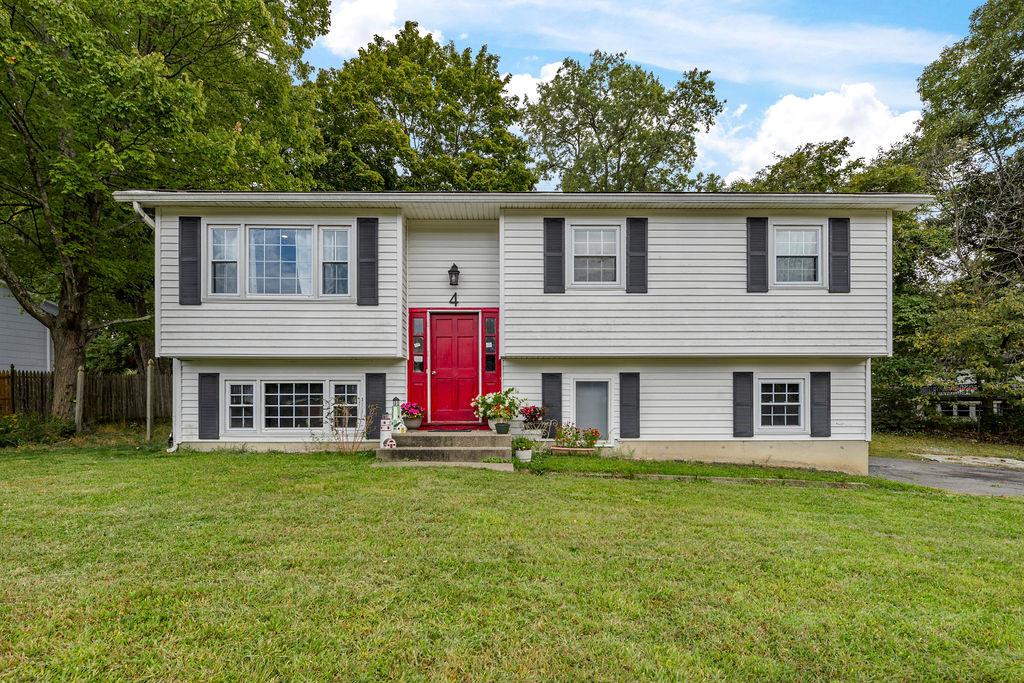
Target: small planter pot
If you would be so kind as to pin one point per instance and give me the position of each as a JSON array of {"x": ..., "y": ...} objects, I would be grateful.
[
  {"x": 562, "y": 450},
  {"x": 501, "y": 427},
  {"x": 412, "y": 422},
  {"x": 524, "y": 456},
  {"x": 517, "y": 426},
  {"x": 491, "y": 423}
]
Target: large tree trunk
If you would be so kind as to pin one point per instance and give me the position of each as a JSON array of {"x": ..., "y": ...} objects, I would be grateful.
[{"x": 68, "y": 353}]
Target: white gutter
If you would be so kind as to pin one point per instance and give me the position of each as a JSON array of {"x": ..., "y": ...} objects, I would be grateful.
[
  {"x": 528, "y": 200},
  {"x": 142, "y": 214}
]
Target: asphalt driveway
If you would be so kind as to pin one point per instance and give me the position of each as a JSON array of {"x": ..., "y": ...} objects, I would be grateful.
[{"x": 977, "y": 480}]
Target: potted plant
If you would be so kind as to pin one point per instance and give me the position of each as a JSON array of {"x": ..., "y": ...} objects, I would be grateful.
[
  {"x": 412, "y": 414},
  {"x": 533, "y": 420},
  {"x": 571, "y": 440},
  {"x": 522, "y": 447},
  {"x": 501, "y": 415},
  {"x": 499, "y": 404}
]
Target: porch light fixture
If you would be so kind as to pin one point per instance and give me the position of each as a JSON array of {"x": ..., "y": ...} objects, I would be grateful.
[{"x": 453, "y": 275}]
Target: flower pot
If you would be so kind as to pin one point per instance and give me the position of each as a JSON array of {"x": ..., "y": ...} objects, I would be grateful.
[
  {"x": 501, "y": 427},
  {"x": 524, "y": 456},
  {"x": 412, "y": 422},
  {"x": 517, "y": 426},
  {"x": 490, "y": 424}
]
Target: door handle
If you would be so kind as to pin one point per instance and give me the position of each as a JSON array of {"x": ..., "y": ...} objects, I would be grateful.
[{"x": 433, "y": 372}]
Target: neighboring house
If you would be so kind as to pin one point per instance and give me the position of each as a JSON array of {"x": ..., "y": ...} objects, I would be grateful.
[
  {"x": 24, "y": 341},
  {"x": 726, "y": 327},
  {"x": 961, "y": 400}
]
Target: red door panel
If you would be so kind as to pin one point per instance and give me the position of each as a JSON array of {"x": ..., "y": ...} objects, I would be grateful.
[{"x": 454, "y": 366}]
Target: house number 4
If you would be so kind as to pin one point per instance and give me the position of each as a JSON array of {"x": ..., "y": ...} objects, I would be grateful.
[{"x": 454, "y": 301}]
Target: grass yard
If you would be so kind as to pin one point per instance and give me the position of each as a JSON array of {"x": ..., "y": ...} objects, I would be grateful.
[
  {"x": 907, "y": 445},
  {"x": 128, "y": 563}
]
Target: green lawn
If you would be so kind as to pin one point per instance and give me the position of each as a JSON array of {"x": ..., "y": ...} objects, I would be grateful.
[
  {"x": 125, "y": 563},
  {"x": 624, "y": 467},
  {"x": 907, "y": 445}
]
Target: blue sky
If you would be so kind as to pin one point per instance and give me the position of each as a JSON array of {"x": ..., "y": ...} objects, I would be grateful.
[{"x": 792, "y": 71}]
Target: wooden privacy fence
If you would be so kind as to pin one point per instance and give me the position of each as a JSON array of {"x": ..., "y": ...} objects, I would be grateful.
[{"x": 106, "y": 398}]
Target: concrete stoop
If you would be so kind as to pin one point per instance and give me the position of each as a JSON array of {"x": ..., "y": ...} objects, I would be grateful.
[{"x": 473, "y": 446}]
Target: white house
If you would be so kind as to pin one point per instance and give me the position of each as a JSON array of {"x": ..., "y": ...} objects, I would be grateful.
[
  {"x": 725, "y": 327},
  {"x": 24, "y": 341}
]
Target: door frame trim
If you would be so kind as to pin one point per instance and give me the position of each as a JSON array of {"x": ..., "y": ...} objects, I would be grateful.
[{"x": 428, "y": 357}]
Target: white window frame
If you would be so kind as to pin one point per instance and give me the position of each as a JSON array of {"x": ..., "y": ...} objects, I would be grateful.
[
  {"x": 804, "y": 380},
  {"x": 360, "y": 401},
  {"x": 617, "y": 224},
  {"x": 318, "y": 257},
  {"x": 208, "y": 259},
  {"x": 289, "y": 379},
  {"x": 314, "y": 258},
  {"x": 613, "y": 427},
  {"x": 799, "y": 223},
  {"x": 244, "y": 224},
  {"x": 226, "y": 403}
]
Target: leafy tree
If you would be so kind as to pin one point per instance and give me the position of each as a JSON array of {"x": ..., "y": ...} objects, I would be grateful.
[
  {"x": 100, "y": 95},
  {"x": 813, "y": 167},
  {"x": 613, "y": 127},
  {"x": 412, "y": 114},
  {"x": 970, "y": 148}
]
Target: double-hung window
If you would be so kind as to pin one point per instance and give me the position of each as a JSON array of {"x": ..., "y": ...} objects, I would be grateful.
[
  {"x": 293, "y": 405},
  {"x": 781, "y": 403},
  {"x": 223, "y": 260},
  {"x": 280, "y": 260},
  {"x": 241, "y": 409},
  {"x": 334, "y": 261},
  {"x": 797, "y": 255},
  {"x": 346, "y": 405},
  {"x": 595, "y": 254}
]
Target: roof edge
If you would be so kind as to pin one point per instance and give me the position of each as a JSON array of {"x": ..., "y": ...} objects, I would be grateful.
[{"x": 880, "y": 200}]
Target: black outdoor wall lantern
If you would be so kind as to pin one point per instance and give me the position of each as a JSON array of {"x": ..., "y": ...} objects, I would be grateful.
[{"x": 453, "y": 275}]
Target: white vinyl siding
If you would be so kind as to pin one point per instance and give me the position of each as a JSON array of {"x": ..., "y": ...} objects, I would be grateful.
[
  {"x": 276, "y": 325},
  {"x": 432, "y": 247},
  {"x": 697, "y": 303},
  {"x": 24, "y": 341},
  {"x": 691, "y": 399},
  {"x": 261, "y": 372}
]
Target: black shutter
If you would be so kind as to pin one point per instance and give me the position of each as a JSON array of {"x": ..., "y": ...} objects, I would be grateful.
[
  {"x": 551, "y": 400},
  {"x": 209, "y": 405},
  {"x": 821, "y": 404},
  {"x": 366, "y": 259},
  {"x": 376, "y": 402},
  {"x": 839, "y": 255},
  {"x": 189, "y": 278},
  {"x": 757, "y": 254},
  {"x": 554, "y": 255},
  {"x": 629, "y": 405},
  {"x": 636, "y": 255},
  {"x": 742, "y": 404}
]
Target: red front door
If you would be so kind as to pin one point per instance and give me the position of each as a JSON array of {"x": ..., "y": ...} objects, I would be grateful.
[{"x": 454, "y": 366}]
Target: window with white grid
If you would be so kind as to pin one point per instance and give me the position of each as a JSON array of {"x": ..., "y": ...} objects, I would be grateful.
[
  {"x": 293, "y": 405},
  {"x": 334, "y": 261},
  {"x": 780, "y": 403},
  {"x": 797, "y": 255},
  {"x": 346, "y": 405},
  {"x": 595, "y": 254},
  {"x": 241, "y": 410},
  {"x": 223, "y": 260},
  {"x": 280, "y": 260}
]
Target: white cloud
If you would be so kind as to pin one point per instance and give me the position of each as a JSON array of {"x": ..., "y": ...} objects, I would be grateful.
[
  {"x": 525, "y": 84},
  {"x": 354, "y": 23},
  {"x": 463, "y": 36},
  {"x": 739, "y": 40},
  {"x": 854, "y": 111}
]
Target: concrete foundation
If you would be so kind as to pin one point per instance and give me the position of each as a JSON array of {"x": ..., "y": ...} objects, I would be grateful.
[{"x": 839, "y": 456}]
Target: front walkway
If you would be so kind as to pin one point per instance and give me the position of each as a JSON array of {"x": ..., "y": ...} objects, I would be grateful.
[{"x": 974, "y": 479}]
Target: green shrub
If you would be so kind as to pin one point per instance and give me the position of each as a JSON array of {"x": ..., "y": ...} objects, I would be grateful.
[{"x": 25, "y": 428}]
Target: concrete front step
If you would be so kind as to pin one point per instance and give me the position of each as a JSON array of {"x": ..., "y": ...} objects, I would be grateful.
[
  {"x": 481, "y": 439},
  {"x": 443, "y": 453}
]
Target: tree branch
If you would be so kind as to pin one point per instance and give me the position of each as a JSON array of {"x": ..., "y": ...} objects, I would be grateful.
[
  {"x": 121, "y": 321},
  {"x": 21, "y": 294}
]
